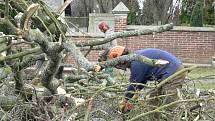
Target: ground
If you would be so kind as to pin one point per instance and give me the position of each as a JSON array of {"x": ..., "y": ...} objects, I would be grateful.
[{"x": 203, "y": 78}]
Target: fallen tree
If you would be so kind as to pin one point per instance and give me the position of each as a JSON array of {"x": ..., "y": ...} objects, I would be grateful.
[{"x": 82, "y": 94}]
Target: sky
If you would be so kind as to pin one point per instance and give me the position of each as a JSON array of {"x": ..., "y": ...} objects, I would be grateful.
[{"x": 141, "y": 3}]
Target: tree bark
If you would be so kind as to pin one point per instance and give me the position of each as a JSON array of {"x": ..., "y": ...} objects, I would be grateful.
[
  {"x": 126, "y": 34},
  {"x": 79, "y": 57},
  {"x": 18, "y": 68},
  {"x": 21, "y": 54}
]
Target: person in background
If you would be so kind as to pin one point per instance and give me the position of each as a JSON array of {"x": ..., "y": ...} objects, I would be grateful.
[
  {"x": 104, "y": 28},
  {"x": 142, "y": 73}
]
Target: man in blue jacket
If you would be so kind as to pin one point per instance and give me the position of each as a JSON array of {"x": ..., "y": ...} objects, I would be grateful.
[{"x": 141, "y": 72}]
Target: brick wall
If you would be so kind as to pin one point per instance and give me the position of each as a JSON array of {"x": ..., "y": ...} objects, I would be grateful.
[
  {"x": 191, "y": 46},
  {"x": 120, "y": 24},
  {"x": 92, "y": 56}
]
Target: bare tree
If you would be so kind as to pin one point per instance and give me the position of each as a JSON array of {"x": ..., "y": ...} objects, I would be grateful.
[
  {"x": 98, "y": 6},
  {"x": 156, "y": 11},
  {"x": 41, "y": 96}
]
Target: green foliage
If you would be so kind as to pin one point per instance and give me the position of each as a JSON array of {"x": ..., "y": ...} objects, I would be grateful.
[
  {"x": 197, "y": 15},
  {"x": 2, "y": 9},
  {"x": 2, "y": 45},
  {"x": 12, "y": 12},
  {"x": 208, "y": 16},
  {"x": 188, "y": 8},
  {"x": 132, "y": 18},
  {"x": 134, "y": 13},
  {"x": 3, "y": 28},
  {"x": 186, "y": 11},
  {"x": 202, "y": 73},
  {"x": 7, "y": 70}
]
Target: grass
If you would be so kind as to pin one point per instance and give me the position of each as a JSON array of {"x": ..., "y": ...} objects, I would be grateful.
[
  {"x": 204, "y": 86},
  {"x": 202, "y": 78},
  {"x": 202, "y": 73}
]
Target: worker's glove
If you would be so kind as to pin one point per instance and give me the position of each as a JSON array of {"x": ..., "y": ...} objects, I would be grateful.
[
  {"x": 97, "y": 68},
  {"x": 125, "y": 106},
  {"x": 161, "y": 62},
  {"x": 135, "y": 97}
]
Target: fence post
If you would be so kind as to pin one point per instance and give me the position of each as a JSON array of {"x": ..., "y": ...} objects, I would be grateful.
[{"x": 120, "y": 17}]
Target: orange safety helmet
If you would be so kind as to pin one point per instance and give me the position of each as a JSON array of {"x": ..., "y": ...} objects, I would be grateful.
[
  {"x": 115, "y": 52},
  {"x": 111, "y": 53}
]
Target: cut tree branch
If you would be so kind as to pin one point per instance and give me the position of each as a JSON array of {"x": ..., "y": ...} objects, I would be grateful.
[
  {"x": 126, "y": 34},
  {"x": 12, "y": 44},
  {"x": 18, "y": 69},
  {"x": 28, "y": 61},
  {"x": 7, "y": 27},
  {"x": 60, "y": 27},
  {"x": 53, "y": 51},
  {"x": 27, "y": 16},
  {"x": 63, "y": 7},
  {"x": 170, "y": 105},
  {"x": 6, "y": 9},
  {"x": 128, "y": 58},
  {"x": 21, "y": 54},
  {"x": 79, "y": 57}
]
